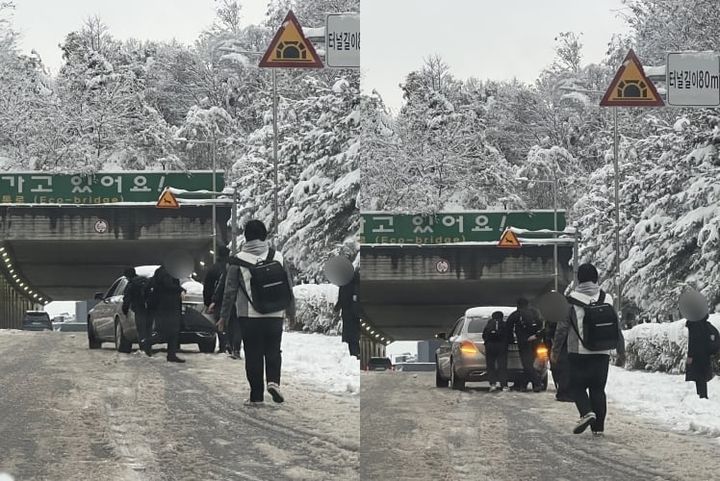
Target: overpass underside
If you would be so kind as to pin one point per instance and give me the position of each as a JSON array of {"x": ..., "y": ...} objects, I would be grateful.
[
  {"x": 69, "y": 253},
  {"x": 407, "y": 294}
]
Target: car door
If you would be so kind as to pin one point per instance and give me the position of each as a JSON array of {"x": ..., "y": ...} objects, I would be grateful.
[
  {"x": 102, "y": 314},
  {"x": 445, "y": 349}
]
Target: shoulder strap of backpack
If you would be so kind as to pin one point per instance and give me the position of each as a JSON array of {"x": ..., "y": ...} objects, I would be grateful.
[
  {"x": 241, "y": 281},
  {"x": 575, "y": 327},
  {"x": 271, "y": 254},
  {"x": 601, "y": 299}
]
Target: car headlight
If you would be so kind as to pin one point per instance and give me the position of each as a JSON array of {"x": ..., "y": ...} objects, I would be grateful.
[{"x": 542, "y": 352}]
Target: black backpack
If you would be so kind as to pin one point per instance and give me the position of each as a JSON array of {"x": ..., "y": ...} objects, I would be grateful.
[
  {"x": 601, "y": 331},
  {"x": 714, "y": 340},
  {"x": 269, "y": 285}
]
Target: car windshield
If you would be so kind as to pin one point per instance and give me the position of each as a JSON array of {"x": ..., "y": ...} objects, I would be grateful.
[
  {"x": 36, "y": 316},
  {"x": 476, "y": 324},
  {"x": 380, "y": 361}
]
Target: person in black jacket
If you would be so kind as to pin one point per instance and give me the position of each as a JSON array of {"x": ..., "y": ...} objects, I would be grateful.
[
  {"x": 210, "y": 284},
  {"x": 165, "y": 304},
  {"x": 559, "y": 367},
  {"x": 134, "y": 298},
  {"x": 348, "y": 303},
  {"x": 527, "y": 325},
  {"x": 699, "y": 365},
  {"x": 233, "y": 334},
  {"x": 496, "y": 338}
]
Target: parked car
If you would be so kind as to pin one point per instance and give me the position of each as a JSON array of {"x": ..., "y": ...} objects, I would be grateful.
[
  {"x": 37, "y": 321},
  {"x": 107, "y": 323},
  {"x": 379, "y": 364},
  {"x": 461, "y": 356}
]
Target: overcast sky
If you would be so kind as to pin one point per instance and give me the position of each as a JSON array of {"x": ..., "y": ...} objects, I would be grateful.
[
  {"x": 45, "y": 23},
  {"x": 484, "y": 39}
]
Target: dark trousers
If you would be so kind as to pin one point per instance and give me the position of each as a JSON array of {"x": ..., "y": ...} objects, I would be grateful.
[
  {"x": 588, "y": 373},
  {"x": 234, "y": 334},
  {"x": 354, "y": 347},
  {"x": 143, "y": 323},
  {"x": 561, "y": 376},
  {"x": 222, "y": 341},
  {"x": 262, "y": 338},
  {"x": 527, "y": 357},
  {"x": 496, "y": 354},
  {"x": 701, "y": 388},
  {"x": 169, "y": 327}
]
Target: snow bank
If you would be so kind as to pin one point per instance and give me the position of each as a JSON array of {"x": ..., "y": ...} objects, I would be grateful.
[
  {"x": 667, "y": 399},
  {"x": 315, "y": 312},
  {"x": 6, "y": 477},
  {"x": 661, "y": 347},
  {"x": 321, "y": 360}
]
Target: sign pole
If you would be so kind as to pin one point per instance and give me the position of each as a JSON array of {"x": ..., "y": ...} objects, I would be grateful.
[
  {"x": 275, "y": 152},
  {"x": 233, "y": 220},
  {"x": 555, "y": 224},
  {"x": 214, "y": 207},
  {"x": 617, "y": 212}
]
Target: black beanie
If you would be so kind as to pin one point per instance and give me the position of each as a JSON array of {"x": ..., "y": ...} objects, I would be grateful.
[{"x": 587, "y": 273}]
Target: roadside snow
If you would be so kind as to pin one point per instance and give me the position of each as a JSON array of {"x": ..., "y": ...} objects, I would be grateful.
[
  {"x": 666, "y": 399},
  {"x": 6, "y": 477},
  {"x": 321, "y": 360}
]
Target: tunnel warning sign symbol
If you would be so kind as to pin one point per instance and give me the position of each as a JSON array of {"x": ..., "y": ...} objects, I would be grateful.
[
  {"x": 167, "y": 201},
  {"x": 290, "y": 48},
  {"x": 509, "y": 240},
  {"x": 631, "y": 87}
]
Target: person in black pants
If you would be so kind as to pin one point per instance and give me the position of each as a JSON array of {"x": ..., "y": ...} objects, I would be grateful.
[
  {"x": 496, "y": 338},
  {"x": 233, "y": 333},
  {"x": 527, "y": 324},
  {"x": 347, "y": 301},
  {"x": 261, "y": 332},
  {"x": 165, "y": 304},
  {"x": 215, "y": 274},
  {"x": 699, "y": 365},
  {"x": 560, "y": 370},
  {"x": 134, "y": 298}
]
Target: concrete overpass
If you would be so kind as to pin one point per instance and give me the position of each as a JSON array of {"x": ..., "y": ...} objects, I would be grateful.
[{"x": 412, "y": 292}]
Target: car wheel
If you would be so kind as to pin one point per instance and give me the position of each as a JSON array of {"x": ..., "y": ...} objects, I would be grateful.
[
  {"x": 456, "y": 382},
  {"x": 122, "y": 344},
  {"x": 439, "y": 380},
  {"x": 207, "y": 346},
  {"x": 93, "y": 342}
]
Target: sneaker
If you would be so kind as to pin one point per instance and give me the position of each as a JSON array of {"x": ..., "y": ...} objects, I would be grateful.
[
  {"x": 598, "y": 434},
  {"x": 493, "y": 388},
  {"x": 274, "y": 391},
  {"x": 584, "y": 423},
  {"x": 537, "y": 389},
  {"x": 254, "y": 404},
  {"x": 505, "y": 389},
  {"x": 175, "y": 359},
  {"x": 564, "y": 399}
]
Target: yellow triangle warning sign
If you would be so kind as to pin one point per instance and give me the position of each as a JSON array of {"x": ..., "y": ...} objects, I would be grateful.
[
  {"x": 290, "y": 48},
  {"x": 631, "y": 87},
  {"x": 509, "y": 240},
  {"x": 167, "y": 201}
]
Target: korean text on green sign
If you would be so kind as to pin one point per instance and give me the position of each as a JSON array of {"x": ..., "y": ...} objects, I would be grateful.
[{"x": 444, "y": 228}]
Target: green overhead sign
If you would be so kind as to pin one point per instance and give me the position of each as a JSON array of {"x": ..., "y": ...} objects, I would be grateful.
[
  {"x": 100, "y": 188},
  {"x": 444, "y": 228}
]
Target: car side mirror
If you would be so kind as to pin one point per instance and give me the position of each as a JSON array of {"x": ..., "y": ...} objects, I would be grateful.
[
  {"x": 441, "y": 335},
  {"x": 99, "y": 296}
]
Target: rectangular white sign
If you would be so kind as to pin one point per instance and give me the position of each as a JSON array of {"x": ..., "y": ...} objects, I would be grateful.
[
  {"x": 342, "y": 40},
  {"x": 693, "y": 79}
]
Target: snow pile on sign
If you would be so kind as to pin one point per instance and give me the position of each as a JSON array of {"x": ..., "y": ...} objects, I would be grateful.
[
  {"x": 660, "y": 347},
  {"x": 667, "y": 399},
  {"x": 321, "y": 360},
  {"x": 315, "y": 313}
]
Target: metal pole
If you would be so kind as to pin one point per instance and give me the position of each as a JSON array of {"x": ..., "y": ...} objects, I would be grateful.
[
  {"x": 214, "y": 207},
  {"x": 576, "y": 260},
  {"x": 233, "y": 220},
  {"x": 555, "y": 220},
  {"x": 275, "y": 152},
  {"x": 617, "y": 213}
]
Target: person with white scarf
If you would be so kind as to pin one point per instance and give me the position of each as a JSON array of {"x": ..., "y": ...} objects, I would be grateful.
[{"x": 588, "y": 369}]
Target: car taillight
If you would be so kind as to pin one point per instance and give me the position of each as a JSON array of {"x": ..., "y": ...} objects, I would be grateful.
[{"x": 469, "y": 348}]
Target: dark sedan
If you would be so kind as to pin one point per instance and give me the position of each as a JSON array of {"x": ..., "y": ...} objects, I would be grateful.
[
  {"x": 107, "y": 323},
  {"x": 37, "y": 321}
]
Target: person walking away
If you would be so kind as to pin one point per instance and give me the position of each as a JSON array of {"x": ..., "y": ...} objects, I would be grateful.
[
  {"x": 165, "y": 303},
  {"x": 260, "y": 287},
  {"x": 591, "y": 331},
  {"x": 496, "y": 338},
  {"x": 348, "y": 303},
  {"x": 210, "y": 283},
  {"x": 526, "y": 324},
  {"x": 703, "y": 342},
  {"x": 560, "y": 368},
  {"x": 134, "y": 298},
  {"x": 234, "y": 332}
]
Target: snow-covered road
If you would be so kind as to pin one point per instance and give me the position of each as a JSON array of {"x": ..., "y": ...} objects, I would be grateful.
[
  {"x": 71, "y": 413},
  {"x": 411, "y": 430}
]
